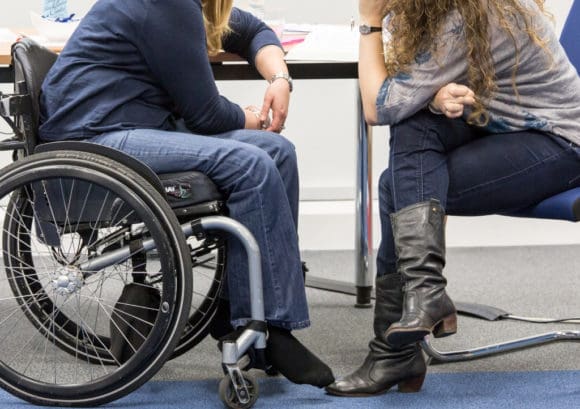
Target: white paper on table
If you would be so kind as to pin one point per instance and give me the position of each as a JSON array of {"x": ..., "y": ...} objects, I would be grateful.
[
  {"x": 7, "y": 36},
  {"x": 327, "y": 43},
  {"x": 45, "y": 42},
  {"x": 298, "y": 27}
]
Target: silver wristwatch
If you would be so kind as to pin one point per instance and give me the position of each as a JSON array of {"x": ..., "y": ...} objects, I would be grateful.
[{"x": 282, "y": 75}]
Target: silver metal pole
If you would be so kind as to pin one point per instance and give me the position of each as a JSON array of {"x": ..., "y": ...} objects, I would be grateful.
[
  {"x": 253, "y": 252},
  {"x": 364, "y": 271},
  {"x": 208, "y": 223}
]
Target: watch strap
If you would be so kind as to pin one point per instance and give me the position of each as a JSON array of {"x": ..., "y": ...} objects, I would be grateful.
[
  {"x": 366, "y": 29},
  {"x": 282, "y": 75}
]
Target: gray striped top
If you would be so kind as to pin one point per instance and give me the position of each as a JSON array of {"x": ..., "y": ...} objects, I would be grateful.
[{"x": 548, "y": 85}]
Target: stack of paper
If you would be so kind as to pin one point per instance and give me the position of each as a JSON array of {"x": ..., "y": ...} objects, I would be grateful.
[{"x": 327, "y": 43}]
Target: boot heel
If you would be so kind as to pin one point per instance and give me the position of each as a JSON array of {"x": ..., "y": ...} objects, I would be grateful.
[
  {"x": 447, "y": 326},
  {"x": 411, "y": 385}
]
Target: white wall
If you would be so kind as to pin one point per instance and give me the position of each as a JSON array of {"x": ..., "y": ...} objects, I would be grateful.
[{"x": 322, "y": 124}]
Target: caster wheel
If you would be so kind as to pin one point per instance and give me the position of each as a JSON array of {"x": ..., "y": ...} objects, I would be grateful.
[{"x": 228, "y": 394}]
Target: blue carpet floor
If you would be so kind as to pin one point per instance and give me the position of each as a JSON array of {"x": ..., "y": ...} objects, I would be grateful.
[{"x": 530, "y": 390}]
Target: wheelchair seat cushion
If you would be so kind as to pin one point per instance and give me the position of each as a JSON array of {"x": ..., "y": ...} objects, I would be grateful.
[{"x": 185, "y": 189}]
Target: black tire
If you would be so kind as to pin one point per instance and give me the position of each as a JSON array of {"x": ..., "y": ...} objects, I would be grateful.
[
  {"x": 55, "y": 313},
  {"x": 208, "y": 261}
]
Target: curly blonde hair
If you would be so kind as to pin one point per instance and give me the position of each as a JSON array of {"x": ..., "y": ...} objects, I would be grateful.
[
  {"x": 216, "y": 15},
  {"x": 415, "y": 25}
]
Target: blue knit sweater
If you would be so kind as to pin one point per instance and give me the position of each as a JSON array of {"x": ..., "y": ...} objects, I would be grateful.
[{"x": 142, "y": 64}]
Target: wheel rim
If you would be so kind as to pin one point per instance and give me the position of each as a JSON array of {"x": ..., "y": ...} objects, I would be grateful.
[{"x": 46, "y": 307}]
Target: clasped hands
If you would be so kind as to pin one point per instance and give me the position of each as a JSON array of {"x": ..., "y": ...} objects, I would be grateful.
[
  {"x": 276, "y": 102},
  {"x": 451, "y": 100}
]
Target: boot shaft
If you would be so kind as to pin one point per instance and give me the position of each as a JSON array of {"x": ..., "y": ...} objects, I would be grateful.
[
  {"x": 419, "y": 237},
  {"x": 388, "y": 302}
]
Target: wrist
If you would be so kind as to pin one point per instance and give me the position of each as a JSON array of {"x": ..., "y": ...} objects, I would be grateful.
[
  {"x": 372, "y": 20},
  {"x": 434, "y": 109},
  {"x": 253, "y": 118},
  {"x": 282, "y": 76}
]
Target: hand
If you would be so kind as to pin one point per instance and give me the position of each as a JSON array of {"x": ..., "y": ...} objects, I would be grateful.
[
  {"x": 372, "y": 11},
  {"x": 253, "y": 118},
  {"x": 451, "y": 100},
  {"x": 277, "y": 100}
]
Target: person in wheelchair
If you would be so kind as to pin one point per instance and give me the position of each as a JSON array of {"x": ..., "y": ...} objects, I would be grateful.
[
  {"x": 136, "y": 76},
  {"x": 484, "y": 108}
]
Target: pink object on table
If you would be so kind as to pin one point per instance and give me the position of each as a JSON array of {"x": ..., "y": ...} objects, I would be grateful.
[{"x": 292, "y": 41}]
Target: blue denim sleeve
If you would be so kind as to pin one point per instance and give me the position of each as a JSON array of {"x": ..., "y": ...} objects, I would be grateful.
[
  {"x": 408, "y": 92},
  {"x": 248, "y": 35}
]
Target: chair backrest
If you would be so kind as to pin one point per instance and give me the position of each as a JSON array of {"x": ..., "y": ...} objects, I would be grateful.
[
  {"x": 31, "y": 63},
  {"x": 570, "y": 37}
]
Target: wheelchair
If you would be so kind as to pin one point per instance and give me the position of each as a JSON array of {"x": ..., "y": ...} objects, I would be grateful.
[{"x": 82, "y": 223}]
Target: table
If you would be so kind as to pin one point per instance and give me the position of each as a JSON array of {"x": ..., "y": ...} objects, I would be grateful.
[{"x": 226, "y": 68}]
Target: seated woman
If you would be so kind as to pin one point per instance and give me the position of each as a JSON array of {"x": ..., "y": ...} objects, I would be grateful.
[
  {"x": 484, "y": 108},
  {"x": 136, "y": 76}
]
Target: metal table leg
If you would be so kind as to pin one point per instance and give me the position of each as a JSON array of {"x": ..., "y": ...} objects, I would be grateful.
[
  {"x": 364, "y": 271},
  {"x": 364, "y": 256}
]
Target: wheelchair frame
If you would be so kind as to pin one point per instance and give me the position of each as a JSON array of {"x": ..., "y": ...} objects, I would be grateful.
[{"x": 237, "y": 389}]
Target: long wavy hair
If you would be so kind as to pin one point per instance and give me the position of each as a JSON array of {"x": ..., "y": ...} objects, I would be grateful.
[
  {"x": 415, "y": 25},
  {"x": 216, "y": 15}
]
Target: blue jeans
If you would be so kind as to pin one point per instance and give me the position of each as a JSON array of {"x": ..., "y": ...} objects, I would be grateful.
[
  {"x": 257, "y": 173},
  {"x": 469, "y": 171}
]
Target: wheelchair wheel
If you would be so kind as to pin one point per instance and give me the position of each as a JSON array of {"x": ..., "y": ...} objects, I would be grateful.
[
  {"x": 74, "y": 226},
  {"x": 30, "y": 288},
  {"x": 208, "y": 260}
]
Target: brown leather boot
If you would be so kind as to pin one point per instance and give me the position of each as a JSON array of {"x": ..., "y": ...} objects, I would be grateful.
[
  {"x": 419, "y": 235},
  {"x": 384, "y": 365}
]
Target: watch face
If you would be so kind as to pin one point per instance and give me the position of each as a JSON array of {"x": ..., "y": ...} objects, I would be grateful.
[{"x": 366, "y": 29}]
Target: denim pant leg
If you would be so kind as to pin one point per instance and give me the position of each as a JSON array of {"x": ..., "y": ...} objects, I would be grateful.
[
  {"x": 386, "y": 260},
  {"x": 505, "y": 173},
  {"x": 280, "y": 150},
  {"x": 256, "y": 197},
  {"x": 417, "y": 171},
  {"x": 283, "y": 152},
  {"x": 469, "y": 172}
]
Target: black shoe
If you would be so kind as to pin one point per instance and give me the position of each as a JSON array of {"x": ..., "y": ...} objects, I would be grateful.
[
  {"x": 286, "y": 354},
  {"x": 385, "y": 366}
]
